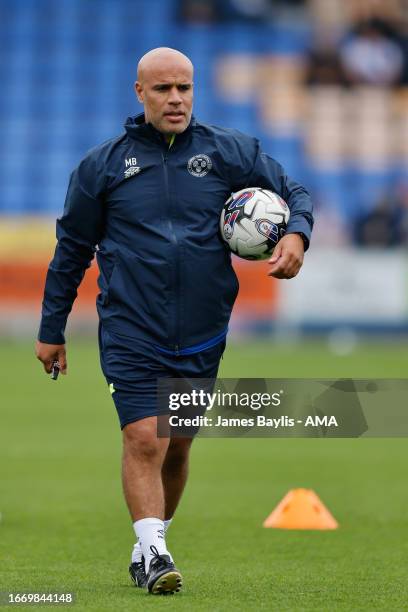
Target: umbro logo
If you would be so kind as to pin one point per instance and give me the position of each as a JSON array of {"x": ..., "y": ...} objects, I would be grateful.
[{"x": 131, "y": 167}]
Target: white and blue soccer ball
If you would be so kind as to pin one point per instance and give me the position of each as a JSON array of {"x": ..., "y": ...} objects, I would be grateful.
[{"x": 253, "y": 221}]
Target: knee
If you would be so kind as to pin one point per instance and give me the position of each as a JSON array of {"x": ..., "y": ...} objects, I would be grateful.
[
  {"x": 178, "y": 451},
  {"x": 140, "y": 441}
]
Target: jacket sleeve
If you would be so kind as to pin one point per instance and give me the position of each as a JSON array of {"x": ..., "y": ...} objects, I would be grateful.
[
  {"x": 269, "y": 174},
  {"x": 78, "y": 232}
]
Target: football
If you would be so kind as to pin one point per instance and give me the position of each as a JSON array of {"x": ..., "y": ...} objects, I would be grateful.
[{"x": 253, "y": 221}]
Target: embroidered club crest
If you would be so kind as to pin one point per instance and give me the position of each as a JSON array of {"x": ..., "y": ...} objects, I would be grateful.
[{"x": 199, "y": 165}]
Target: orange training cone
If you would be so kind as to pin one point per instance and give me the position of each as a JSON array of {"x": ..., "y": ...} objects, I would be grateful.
[{"x": 301, "y": 509}]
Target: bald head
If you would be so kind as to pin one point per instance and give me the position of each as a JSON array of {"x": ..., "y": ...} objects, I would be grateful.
[
  {"x": 162, "y": 57},
  {"x": 165, "y": 87}
]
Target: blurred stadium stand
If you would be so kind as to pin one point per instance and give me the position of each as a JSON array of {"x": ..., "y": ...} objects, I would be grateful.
[{"x": 285, "y": 71}]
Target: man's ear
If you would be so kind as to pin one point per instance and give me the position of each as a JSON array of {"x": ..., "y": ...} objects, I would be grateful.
[{"x": 139, "y": 92}]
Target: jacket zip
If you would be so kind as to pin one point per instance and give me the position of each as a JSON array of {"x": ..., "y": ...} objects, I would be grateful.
[{"x": 174, "y": 240}]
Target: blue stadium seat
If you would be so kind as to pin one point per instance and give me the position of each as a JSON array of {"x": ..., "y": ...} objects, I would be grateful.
[{"x": 67, "y": 70}]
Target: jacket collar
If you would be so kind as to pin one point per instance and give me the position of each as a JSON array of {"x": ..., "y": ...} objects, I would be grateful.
[{"x": 137, "y": 127}]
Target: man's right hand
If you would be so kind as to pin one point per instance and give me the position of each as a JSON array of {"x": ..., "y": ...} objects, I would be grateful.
[{"x": 48, "y": 353}]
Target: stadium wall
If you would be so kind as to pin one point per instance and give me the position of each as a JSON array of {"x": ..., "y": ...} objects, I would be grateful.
[{"x": 364, "y": 289}]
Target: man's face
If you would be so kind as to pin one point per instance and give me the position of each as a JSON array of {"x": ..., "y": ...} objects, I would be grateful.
[{"x": 165, "y": 88}]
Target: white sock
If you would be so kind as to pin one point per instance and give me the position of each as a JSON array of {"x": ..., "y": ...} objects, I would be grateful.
[
  {"x": 150, "y": 532},
  {"x": 137, "y": 553},
  {"x": 137, "y": 548}
]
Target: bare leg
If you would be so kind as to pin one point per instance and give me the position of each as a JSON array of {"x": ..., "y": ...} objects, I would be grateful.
[
  {"x": 143, "y": 457},
  {"x": 174, "y": 473}
]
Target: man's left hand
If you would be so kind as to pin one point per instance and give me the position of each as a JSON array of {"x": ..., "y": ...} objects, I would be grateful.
[{"x": 287, "y": 258}]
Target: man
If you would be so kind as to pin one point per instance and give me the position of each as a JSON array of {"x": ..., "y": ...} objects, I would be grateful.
[{"x": 166, "y": 282}]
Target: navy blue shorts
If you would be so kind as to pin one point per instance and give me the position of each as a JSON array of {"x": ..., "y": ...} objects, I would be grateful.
[{"x": 132, "y": 368}]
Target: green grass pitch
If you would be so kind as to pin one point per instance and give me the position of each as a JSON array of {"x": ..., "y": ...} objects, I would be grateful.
[{"x": 64, "y": 525}]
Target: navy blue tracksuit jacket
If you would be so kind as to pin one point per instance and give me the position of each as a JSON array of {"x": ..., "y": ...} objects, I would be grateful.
[{"x": 151, "y": 213}]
